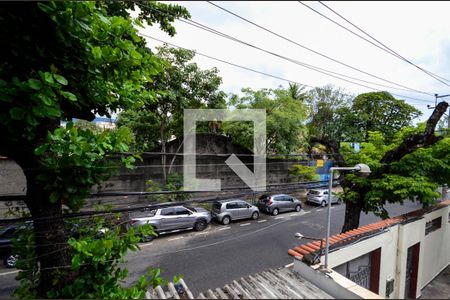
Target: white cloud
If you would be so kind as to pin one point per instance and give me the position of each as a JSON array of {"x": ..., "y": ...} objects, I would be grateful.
[{"x": 419, "y": 31}]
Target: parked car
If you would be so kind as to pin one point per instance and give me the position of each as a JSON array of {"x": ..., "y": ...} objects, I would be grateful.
[
  {"x": 277, "y": 203},
  {"x": 7, "y": 234},
  {"x": 6, "y": 252},
  {"x": 172, "y": 218},
  {"x": 320, "y": 196},
  {"x": 225, "y": 211}
]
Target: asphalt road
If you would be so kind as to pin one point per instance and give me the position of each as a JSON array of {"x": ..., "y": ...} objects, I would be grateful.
[{"x": 216, "y": 256}]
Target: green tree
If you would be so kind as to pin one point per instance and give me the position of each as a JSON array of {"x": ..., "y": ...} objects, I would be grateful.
[
  {"x": 410, "y": 165},
  {"x": 74, "y": 60},
  {"x": 377, "y": 111},
  {"x": 285, "y": 118},
  {"x": 182, "y": 84},
  {"x": 327, "y": 108},
  {"x": 301, "y": 173}
]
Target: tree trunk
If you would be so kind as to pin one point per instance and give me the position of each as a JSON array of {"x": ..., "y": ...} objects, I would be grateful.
[
  {"x": 52, "y": 250},
  {"x": 352, "y": 214}
]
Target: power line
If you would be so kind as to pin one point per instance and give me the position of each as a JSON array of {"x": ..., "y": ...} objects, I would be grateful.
[
  {"x": 305, "y": 65},
  {"x": 223, "y": 61},
  {"x": 435, "y": 76},
  {"x": 318, "y": 53},
  {"x": 311, "y": 67},
  {"x": 229, "y": 63}
]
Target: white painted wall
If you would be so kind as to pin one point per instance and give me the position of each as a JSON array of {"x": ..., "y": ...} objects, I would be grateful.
[
  {"x": 434, "y": 253},
  {"x": 388, "y": 243},
  {"x": 409, "y": 234},
  {"x": 436, "y": 248}
]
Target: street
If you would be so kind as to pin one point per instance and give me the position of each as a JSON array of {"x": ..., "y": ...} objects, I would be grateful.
[{"x": 216, "y": 256}]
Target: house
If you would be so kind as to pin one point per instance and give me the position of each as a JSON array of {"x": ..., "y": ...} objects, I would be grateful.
[{"x": 393, "y": 258}]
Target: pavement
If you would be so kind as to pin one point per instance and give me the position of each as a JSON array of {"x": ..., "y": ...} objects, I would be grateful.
[{"x": 439, "y": 287}]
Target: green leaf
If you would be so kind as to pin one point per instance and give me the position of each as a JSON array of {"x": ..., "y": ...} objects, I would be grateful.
[
  {"x": 48, "y": 77},
  {"x": 60, "y": 79},
  {"x": 69, "y": 96},
  {"x": 17, "y": 113},
  {"x": 97, "y": 52},
  {"x": 76, "y": 261},
  {"x": 54, "y": 196},
  {"x": 34, "y": 84},
  {"x": 41, "y": 149}
]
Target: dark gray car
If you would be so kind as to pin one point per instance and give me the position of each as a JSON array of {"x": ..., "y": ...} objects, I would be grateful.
[
  {"x": 276, "y": 203},
  {"x": 225, "y": 211},
  {"x": 173, "y": 218}
]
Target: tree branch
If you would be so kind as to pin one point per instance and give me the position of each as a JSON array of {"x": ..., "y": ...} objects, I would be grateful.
[{"x": 415, "y": 141}]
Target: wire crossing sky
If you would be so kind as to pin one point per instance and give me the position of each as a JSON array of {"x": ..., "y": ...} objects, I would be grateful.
[{"x": 419, "y": 31}]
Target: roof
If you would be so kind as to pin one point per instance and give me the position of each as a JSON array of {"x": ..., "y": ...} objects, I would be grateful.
[
  {"x": 282, "y": 283},
  {"x": 304, "y": 252}
]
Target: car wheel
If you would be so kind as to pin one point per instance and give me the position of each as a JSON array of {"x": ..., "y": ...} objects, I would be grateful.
[
  {"x": 226, "y": 220},
  {"x": 323, "y": 204},
  {"x": 11, "y": 260},
  {"x": 275, "y": 211},
  {"x": 298, "y": 208},
  {"x": 255, "y": 215},
  {"x": 148, "y": 238},
  {"x": 200, "y": 225}
]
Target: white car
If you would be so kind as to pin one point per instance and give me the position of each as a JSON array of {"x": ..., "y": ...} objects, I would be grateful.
[
  {"x": 320, "y": 196},
  {"x": 173, "y": 218}
]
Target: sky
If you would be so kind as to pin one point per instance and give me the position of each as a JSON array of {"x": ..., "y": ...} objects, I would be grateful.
[{"x": 419, "y": 31}]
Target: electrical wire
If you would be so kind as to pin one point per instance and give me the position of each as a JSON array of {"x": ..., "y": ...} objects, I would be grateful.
[
  {"x": 392, "y": 52},
  {"x": 318, "y": 53},
  {"x": 262, "y": 73},
  {"x": 317, "y": 69},
  {"x": 302, "y": 64}
]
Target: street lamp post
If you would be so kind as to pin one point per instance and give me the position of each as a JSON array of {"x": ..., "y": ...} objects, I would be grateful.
[{"x": 363, "y": 170}]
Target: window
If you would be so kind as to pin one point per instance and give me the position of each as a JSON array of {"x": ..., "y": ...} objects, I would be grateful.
[
  {"x": 241, "y": 205},
  {"x": 279, "y": 198},
  {"x": 288, "y": 199},
  {"x": 217, "y": 205},
  {"x": 433, "y": 225},
  {"x": 232, "y": 205},
  {"x": 181, "y": 211},
  {"x": 168, "y": 211}
]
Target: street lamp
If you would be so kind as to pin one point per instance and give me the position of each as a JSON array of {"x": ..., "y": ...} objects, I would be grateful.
[{"x": 363, "y": 170}]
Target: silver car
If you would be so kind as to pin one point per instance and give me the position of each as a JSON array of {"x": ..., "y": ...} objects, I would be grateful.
[
  {"x": 277, "y": 203},
  {"x": 173, "y": 218},
  {"x": 226, "y": 211},
  {"x": 320, "y": 196}
]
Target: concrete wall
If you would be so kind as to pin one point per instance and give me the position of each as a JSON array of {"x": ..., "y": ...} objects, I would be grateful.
[{"x": 12, "y": 179}]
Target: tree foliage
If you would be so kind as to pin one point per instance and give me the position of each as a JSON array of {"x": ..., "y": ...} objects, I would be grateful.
[
  {"x": 409, "y": 165},
  {"x": 301, "y": 173},
  {"x": 377, "y": 111},
  {"x": 74, "y": 60},
  {"x": 327, "y": 108},
  {"x": 181, "y": 84},
  {"x": 285, "y": 118}
]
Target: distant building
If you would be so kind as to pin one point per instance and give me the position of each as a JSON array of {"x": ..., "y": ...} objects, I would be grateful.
[{"x": 104, "y": 123}]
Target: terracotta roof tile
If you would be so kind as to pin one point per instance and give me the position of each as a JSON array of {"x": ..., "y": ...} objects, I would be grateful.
[{"x": 300, "y": 251}]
